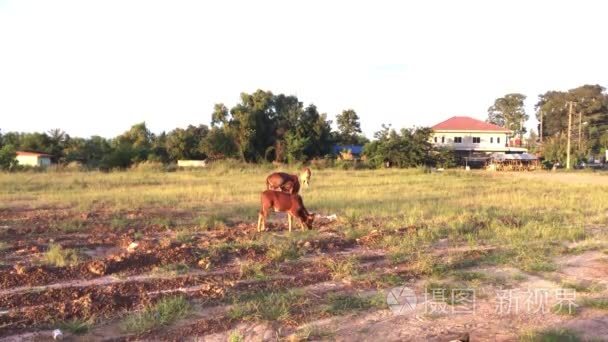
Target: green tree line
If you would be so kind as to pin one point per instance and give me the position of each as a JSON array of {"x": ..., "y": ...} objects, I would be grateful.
[
  {"x": 261, "y": 127},
  {"x": 589, "y": 127}
]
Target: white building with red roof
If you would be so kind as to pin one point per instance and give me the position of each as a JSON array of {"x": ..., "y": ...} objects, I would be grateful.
[{"x": 470, "y": 136}]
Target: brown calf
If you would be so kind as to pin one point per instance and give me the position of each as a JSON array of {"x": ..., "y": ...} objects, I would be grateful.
[
  {"x": 282, "y": 181},
  {"x": 284, "y": 202}
]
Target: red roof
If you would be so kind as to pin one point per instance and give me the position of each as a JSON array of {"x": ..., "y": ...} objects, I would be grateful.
[
  {"x": 465, "y": 123},
  {"x": 25, "y": 153}
]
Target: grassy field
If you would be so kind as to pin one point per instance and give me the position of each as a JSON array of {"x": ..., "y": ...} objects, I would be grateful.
[{"x": 452, "y": 228}]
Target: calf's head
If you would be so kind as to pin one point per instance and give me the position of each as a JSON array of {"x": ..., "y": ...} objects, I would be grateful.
[{"x": 307, "y": 219}]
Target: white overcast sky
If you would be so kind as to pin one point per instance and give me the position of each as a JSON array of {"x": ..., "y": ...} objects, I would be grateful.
[{"x": 97, "y": 67}]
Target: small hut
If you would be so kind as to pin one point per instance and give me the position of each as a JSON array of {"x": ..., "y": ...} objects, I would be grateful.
[{"x": 512, "y": 162}]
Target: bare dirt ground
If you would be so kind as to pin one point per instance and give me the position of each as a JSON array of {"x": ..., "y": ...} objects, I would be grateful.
[{"x": 114, "y": 278}]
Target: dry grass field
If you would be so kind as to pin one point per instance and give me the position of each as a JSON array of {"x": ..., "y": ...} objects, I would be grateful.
[{"x": 175, "y": 256}]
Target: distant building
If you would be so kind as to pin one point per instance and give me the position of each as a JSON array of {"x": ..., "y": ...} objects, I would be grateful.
[
  {"x": 348, "y": 152},
  {"x": 468, "y": 136},
  {"x": 33, "y": 159},
  {"x": 192, "y": 163}
]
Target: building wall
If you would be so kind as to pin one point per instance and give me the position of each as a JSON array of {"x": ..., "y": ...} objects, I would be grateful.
[
  {"x": 489, "y": 141},
  {"x": 191, "y": 163},
  {"x": 44, "y": 161},
  {"x": 27, "y": 160},
  {"x": 34, "y": 161}
]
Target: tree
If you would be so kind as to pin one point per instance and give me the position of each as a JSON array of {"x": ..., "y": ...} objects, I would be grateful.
[
  {"x": 532, "y": 141},
  {"x": 348, "y": 127},
  {"x": 39, "y": 142},
  {"x": 590, "y": 116},
  {"x": 186, "y": 143},
  {"x": 264, "y": 126},
  {"x": 58, "y": 141},
  {"x": 217, "y": 144},
  {"x": 509, "y": 112},
  {"x": 7, "y": 157},
  {"x": 137, "y": 142},
  {"x": 554, "y": 149},
  {"x": 406, "y": 148}
]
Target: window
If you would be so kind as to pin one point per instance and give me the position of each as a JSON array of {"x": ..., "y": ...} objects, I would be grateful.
[
  {"x": 442, "y": 140},
  {"x": 457, "y": 140},
  {"x": 491, "y": 140},
  {"x": 435, "y": 139},
  {"x": 476, "y": 140},
  {"x": 498, "y": 140}
]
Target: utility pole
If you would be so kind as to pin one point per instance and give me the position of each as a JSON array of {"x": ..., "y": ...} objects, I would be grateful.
[
  {"x": 580, "y": 125},
  {"x": 569, "y": 135}
]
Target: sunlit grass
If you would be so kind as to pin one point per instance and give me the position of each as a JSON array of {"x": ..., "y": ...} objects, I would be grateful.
[{"x": 529, "y": 216}]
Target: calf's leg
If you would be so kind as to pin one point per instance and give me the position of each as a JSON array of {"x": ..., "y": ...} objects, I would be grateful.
[{"x": 261, "y": 222}]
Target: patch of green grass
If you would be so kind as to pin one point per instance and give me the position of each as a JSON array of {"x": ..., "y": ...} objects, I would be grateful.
[
  {"x": 252, "y": 270},
  {"x": 469, "y": 276},
  {"x": 71, "y": 225},
  {"x": 389, "y": 279},
  {"x": 338, "y": 304},
  {"x": 77, "y": 326},
  {"x": 427, "y": 264},
  {"x": 584, "y": 247},
  {"x": 119, "y": 222},
  {"x": 538, "y": 266},
  {"x": 353, "y": 233},
  {"x": 164, "y": 222},
  {"x": 342, "y": 268},
  {"x": 235, "y": 336},
  {"x": 266, "y": 306},
  {"x": 214, "y": 221},
  {"x": 163, "y": 313},
  {"x": 283, "y": 251},
  {"x": 59, "y": 256},
  {"x": 586, "y": 286},
  {"x": 183, "y": 236},
  {"x": 520, "y": 277},
  {"x": 312, "y": 332},
  {"x": 172, "y": 269},
  {"x": 596, "y": 303},
  {"x": 552, "y": 335}
]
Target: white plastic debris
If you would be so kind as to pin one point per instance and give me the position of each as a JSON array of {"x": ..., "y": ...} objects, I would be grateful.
[
  {"x": 132, "y": 246},
  {"x": 57, "y": 334},
  {"x": 332, "y": 217}
]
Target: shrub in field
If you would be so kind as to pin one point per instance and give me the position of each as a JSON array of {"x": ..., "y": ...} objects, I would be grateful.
[
  {"x": 339, "y": 304},
  {"x": 59, "y": 256},
  {"x": 282, "y": 252},
  {"x": 553, "y": 335},
  {"x": 342, "y": 269},
  {"x": 212, "y": 222},
  {"x": 77, "y": 326},
  {"x": 267, "y": 306},
  {"x": 148, "y": 166},
  {"x": 252, "y": 270},
  {"x": 163, "y": 313}
]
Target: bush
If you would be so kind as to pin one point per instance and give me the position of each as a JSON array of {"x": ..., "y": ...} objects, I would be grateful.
[
  {"x": 163, "y": 313},
  {"x": 148, "y": 166},
  {"x": 7, "y": 158},
  {"x": 60, "y": 257}
]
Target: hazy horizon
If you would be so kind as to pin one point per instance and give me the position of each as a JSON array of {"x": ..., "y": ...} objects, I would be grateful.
[{"x": 96, "y": 68}]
